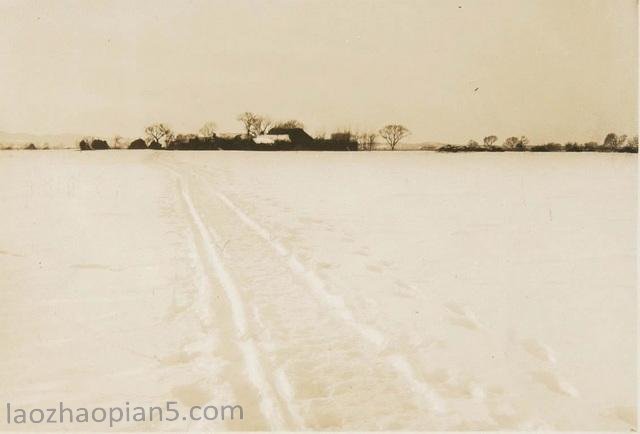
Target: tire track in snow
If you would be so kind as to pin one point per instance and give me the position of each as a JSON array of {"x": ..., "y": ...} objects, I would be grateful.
[
  {"x": 398, "y": 362},
  {"x": 268, "y": 402}
]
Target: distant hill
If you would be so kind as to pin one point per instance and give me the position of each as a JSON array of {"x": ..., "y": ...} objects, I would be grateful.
[{"x": 51, "y": 140}]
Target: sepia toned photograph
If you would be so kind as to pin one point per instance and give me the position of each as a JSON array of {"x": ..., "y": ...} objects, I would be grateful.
[{"x": 318, "y": 215}]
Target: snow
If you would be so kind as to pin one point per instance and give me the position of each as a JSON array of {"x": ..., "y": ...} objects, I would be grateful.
[
  {"x": 270, "y": 139},
  {"x": 326, "y": 291}
]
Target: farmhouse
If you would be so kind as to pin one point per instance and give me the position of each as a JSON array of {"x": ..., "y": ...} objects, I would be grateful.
[{"x": 297, "y": 136}]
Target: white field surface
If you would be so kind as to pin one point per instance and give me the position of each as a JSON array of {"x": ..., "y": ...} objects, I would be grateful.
[{"x": 323, "y": 291}]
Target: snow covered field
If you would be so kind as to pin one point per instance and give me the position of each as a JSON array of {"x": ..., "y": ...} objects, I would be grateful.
[{"x": 325, "y": 291}]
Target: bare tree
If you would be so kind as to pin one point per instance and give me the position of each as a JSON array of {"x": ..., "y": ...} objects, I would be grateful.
[
  {"x": 367, "y": 141},
  {"x": 371, "y": 141},
  {"x": 393, "y": 134},
  {"x": 208, "y": 130},
  {"x": 621, "y": 140},
  {"x": 118, "y": 142},
  {"x": 489, "y": 141},
  {"x": 157, "y": 132},
  {"x": 169, "y": 137},
  {"x": 248, "y": 119},
  {"x": 611, "y": 141},
  {"x": 261, "y": 125},
  {"x": 516, "y": 144},
  {"x": 510, "y": 142},
  {"x": 522, "y": 143},
  {"x": 254, "y": 124}
]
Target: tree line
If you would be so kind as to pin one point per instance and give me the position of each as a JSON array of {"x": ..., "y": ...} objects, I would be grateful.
[
  {"x": 161, "y": 136},
  {"x": 611, "y": 143}
]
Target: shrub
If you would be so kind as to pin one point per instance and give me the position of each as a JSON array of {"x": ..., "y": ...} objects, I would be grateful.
[
  {"x": 592, "y": 147},
  {"x": 449, "y": 148},
  {"x": 138, "y": 144},
  {"x": 572, "y": 147},
  {"x": 629, "y": 149},
  {"x": 470, "y": 147},
  {"x": 99, "y": 144},
  {"x": 494, "y": 148},
  {"x": 548, "y": 147}
]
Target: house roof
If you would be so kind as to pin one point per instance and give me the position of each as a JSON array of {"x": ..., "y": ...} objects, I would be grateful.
[{"x": 296, "y": 134}]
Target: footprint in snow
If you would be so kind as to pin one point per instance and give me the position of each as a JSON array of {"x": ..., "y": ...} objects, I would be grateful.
[
  {"x": 374, "y": 268},
  {"x": 539, "y": 350},
  {"x": 462, "y": 316},
  {"x": 555, "y": 383},
  {"x": 17, "y": 255},
  {"x": 624, "y": 414}
]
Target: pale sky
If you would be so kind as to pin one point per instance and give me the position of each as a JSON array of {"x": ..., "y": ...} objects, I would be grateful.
[{"x": 550, "y": 69}]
